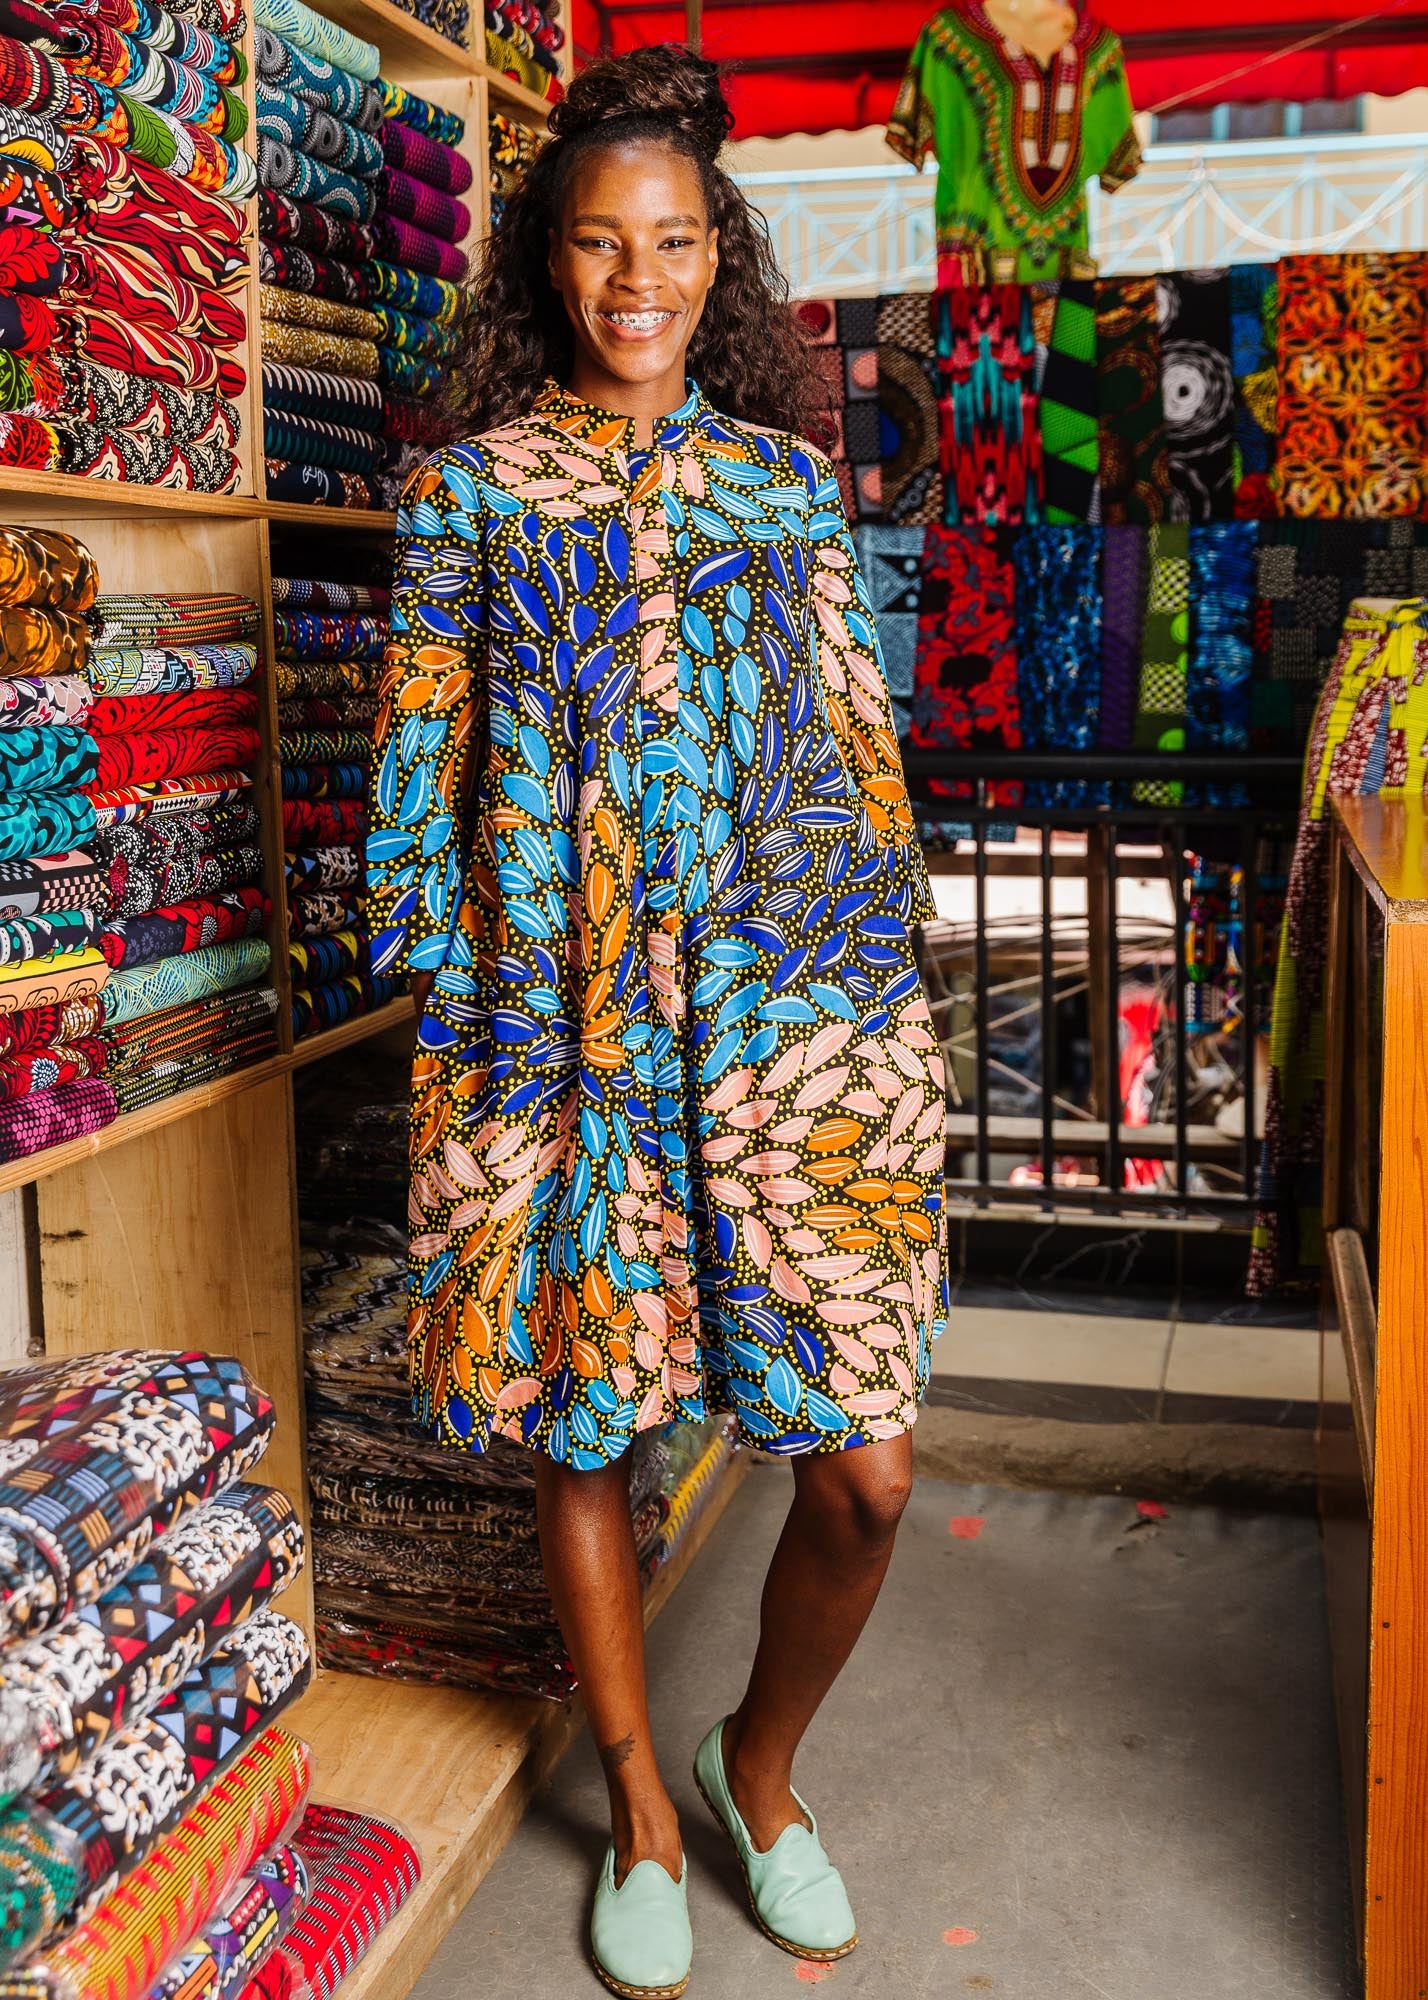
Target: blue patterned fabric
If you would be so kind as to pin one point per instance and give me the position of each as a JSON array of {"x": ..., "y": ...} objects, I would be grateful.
[{"x": 1058, "y": 649}]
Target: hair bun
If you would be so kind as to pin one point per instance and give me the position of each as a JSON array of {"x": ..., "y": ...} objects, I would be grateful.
[{"x": 665, "y": 85}]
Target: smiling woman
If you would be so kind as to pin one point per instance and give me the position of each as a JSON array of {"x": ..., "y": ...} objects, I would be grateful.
[{"x": 640, "y": 833}]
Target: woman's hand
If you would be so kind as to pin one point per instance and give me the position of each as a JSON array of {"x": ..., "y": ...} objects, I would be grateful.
[{"x": 422, "y": 983}]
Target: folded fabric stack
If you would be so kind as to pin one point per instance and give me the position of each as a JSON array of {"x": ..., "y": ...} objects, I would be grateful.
[
  {"x": 123, "y": 243},
  {"x": 330, "y": 639},
  {"x": 174, "y": 717},
  {"x": 512, "y": 148},
  {"x": 426, "y": 1560},
  {"x": 148, "y": 1793},
  {"x": 320, "y": 114},
  {"x": 54, "y": 897},
  {"x": 522, "y": 40}
]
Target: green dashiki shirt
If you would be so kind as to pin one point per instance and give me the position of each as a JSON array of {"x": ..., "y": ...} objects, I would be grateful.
[{"x": 1015, "y": 144}]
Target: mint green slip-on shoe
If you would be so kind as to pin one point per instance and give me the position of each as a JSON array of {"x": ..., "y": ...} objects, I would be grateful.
[
  {"x": 796, "y": 1893},
  {"x": 640, "y": 1938}
]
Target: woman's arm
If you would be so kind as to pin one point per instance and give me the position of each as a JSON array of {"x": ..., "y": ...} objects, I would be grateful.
[{"x": 428, "y": 724}]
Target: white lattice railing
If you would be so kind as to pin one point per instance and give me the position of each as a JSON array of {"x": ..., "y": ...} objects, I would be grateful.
[{"x": 846, "y": 232}]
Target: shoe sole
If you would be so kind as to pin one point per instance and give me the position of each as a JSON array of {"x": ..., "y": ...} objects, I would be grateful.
[
  {"x": 637, "y": 1992},
  {"x": 806, "y": 1951}
]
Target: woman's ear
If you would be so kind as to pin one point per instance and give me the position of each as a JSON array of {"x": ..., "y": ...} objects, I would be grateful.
[{"x": 713, "y": 253}]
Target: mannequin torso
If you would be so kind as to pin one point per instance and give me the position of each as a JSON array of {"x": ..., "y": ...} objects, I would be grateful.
[{"x": 1041, "y": 27}]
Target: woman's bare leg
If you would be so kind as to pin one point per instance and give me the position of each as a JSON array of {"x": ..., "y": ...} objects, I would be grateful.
[
  {"x": 587, "y": 1546},
  {"x": 821, "y": 1586}
]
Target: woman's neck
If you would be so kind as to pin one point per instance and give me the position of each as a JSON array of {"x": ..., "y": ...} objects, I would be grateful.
[{"x": 644, "y": 403}]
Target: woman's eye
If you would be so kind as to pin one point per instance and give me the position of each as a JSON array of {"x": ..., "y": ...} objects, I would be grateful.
[{"x": 678, "y": 242}]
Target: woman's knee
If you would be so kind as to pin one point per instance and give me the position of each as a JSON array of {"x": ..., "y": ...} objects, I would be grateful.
[{"x": 862, "y": 1495}]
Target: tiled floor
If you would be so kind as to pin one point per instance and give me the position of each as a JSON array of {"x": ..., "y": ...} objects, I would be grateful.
[{"x": 1012, "y": 1352}]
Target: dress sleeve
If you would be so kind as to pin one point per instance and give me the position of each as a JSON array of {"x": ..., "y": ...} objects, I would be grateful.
[
  {"x": 855, "y": 688},
  {"x": 429, "y": 720},
  {"x": 911, "y": 130},
  {"x": 1113, "y": 152}
]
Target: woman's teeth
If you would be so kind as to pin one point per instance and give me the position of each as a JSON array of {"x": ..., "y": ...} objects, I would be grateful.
[{"x": 638, "y": 322}]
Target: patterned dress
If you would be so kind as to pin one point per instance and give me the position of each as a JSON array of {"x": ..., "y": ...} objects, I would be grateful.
[{"x": 677, "y": 1130}]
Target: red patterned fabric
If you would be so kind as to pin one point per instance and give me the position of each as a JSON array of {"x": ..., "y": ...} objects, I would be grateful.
[
  {"x": 143, "y": 208},
  {"x": 142, "y": 755},
  {"x": 27, "y": 326},
  {"x": 137, "y": 286},
  {"x": 31, "y": 1028},
  {"x": 189, "y": 925},
  {"x": 30, "y": 261},
  {"x": 323, "y": 822},
  {"x": 964, "y": 676},
  {"x": 47, "y": 1068},
  {"x": 361, "y": 1871},
  {"x": 144, "y": 350},
  {"x": 187, "y": 708}
]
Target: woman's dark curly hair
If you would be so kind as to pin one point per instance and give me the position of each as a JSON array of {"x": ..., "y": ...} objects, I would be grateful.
[{"x": 749, "y": 354}]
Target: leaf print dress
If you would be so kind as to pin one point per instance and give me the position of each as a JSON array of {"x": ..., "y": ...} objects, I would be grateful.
[{"x": 677, "y": 1119}]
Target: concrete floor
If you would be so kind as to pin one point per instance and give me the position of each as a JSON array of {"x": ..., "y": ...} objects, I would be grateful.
[{"x": 1079, "y": 1752}]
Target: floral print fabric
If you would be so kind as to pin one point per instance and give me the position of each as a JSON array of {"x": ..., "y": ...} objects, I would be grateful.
[{"x": 744, "y": 875}]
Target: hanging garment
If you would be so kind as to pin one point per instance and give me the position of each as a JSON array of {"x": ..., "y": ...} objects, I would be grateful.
[
  {"x": 1125, "y": 573},
  {"x": 1197, "y": 392},
  {"x": 988, "y": 434},
  {"x": 965, "y": 679},
  {"x": 1165, "y": 657},
  {"x": 1254, "y": 349},
  {"x": 1135, "y": 459},
  {"x": 891, "y": 562},
  {"x": 911, "y": 481},
  {"x": 1015, "y": 144},
  {"x": 743, "y": 794},
  {"x": 1068, "y": 407},
  {"x": 1058, "y": 648}
]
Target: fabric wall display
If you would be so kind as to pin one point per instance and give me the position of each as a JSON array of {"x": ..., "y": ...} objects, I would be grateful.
[
  {"x": 91, "y": 453},
  {"x": 323, "y": 398},
  {"x": 1135, "y": 460},
  {"x": 46, "y": 1118},
  {"x": 111, "y": 1664},
  {"x": 175, "y": 619},
  {"x": 402, "y": 242},
  {"x": 361, "y": 1870},
  {"x": 51, "y": 982},
  {"x": 316, "y": 712},
  {"x": 988, "y": 437},
  {"x": 35, "y": 194},
  {"x": 292, "y": 173},
  {"x": 316, "y": 35},
  {"x": 503, "y": 56},
  {"x": 165, "y": 31},
  {"x": 61, "y": 934},
  {"x": 283, "y": 66},
  {"x": 111, "y": 399},
  {"x": 1254, "y": 349},
  {"x": 410, "y": 151},
  {"x": 446, "y": 127},
  {"x": 50, "y": 1068},
  {"x": 190, "y": 925},
  {"x": 324, "y": 747},
  {"x": 435, "y": 299},
  {"x": 29, "y": 384},
  {"x": 283, "y": 264},
  {"x": 39, "y": 884},
  {"x": 140, "y": 670},
  {"x": 176, "y": 1429},
  {"x": 1165, "y": 656},
  {"x": 324, "y": 822},
  {"x": 891, "y": 561},
  {"x": 166, "y": 1900},
  {"x": 323, "y": 315},
  {"x": 1058, "y": 645},
  {"x": 1222, "y": 585},
  {"x": 225, "y": 18},
  {"x": 323, "y": 867},
  {"x": 185, "y": 363},
  {"x": 297, "y": 678},
  {"x": 34, "y": 824},
  {"x": 304, "y": 635},
  {"x": 965, "y": 675},
  {"x": 1197, "y": 393},
  {"x": 203, "y": 708},
  {"x": 136, "y": 285},
  {"x": 211, "y": 163},
  {"x": 315, "y": 230},
  {"x": 1371, "y": 718},
  {"x": 308, "y": 128},
  {"x": 48, "y": 759},
  {"x": 33, "y": 702},
  {"x": 124, "y": 803},
  {"x": 26, "y": 441},
  {"x": 311, "y": 443},
  {"x": 319, "y": 485},
  {"x": 1353, "y": 385},
  {"x": 322, "y": 913},
  {"x": 427, "y": 208},
  {"x": 149, "y": 76},
  {"x": 37, "y": 1028},
  {"x": 244, "y": 1935},
  {"x": 1125, "y": 573},
  {"x": 146, "y": 848},
  {"x": 195, "y": 975},
  {"x": 324, "y": 353},
  {"x": 409, "y": 333},
  {"x": 907, "y": 409},
  {"x": 130, "y": 203},
  {"x": 1068, "y": 408},
  {"x": 43, "y": 567},
  {"x": 142, "y": 755}
]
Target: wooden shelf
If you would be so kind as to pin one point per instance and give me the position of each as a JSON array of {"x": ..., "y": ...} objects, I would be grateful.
[
  {"x": 510, "y": 92},
  {"x": 347, "y": 520},
  {"x": 88, "y": 499},
  {"x": 330, "y": 1041},
  {"x": 455, "y": 1770}
]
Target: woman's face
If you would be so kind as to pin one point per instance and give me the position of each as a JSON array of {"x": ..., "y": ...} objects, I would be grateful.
[{"x": 633, "y": 259}]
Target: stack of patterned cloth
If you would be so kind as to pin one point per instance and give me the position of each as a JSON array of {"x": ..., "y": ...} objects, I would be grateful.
[
  {"x": 512, "y": 148},
  {"x": 174, "y": 715},
  {"x": 330, "y": 639},
  {"x": 148, "y": 1794},
  {"x": 53, "y": 893},
  {"x": 320, "y": 161},
  {"x": 121, "y": 172},
  {"x": 522, "y": 40}
]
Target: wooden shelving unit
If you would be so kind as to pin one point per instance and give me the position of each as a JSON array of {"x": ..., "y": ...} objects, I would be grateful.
[{"x": 177, "y": 1226}]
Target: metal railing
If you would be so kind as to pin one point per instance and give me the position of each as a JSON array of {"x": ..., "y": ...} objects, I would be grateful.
[
  {"x": 851, "y": 232},
  {"x": 1062, "y": 995}
]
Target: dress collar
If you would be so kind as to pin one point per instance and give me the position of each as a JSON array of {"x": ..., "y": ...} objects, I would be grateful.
[{"x": 696, "y": 422}]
